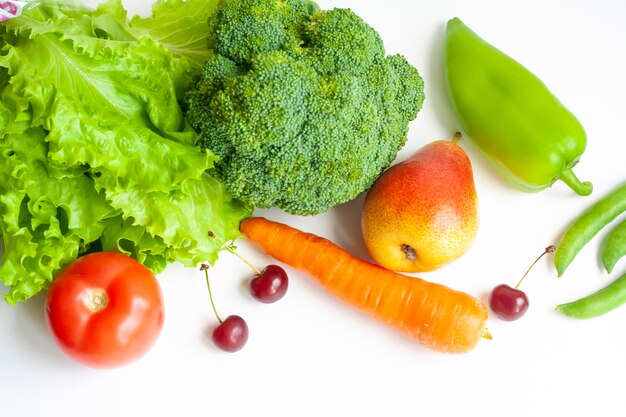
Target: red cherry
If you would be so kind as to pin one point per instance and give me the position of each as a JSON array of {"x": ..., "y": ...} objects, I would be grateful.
[
  {"x": 270, "y": 284},
  {"x": 232, "y": 334},
  {"x": 508, "y": 303},
  {"x": 512, "y": 303}
]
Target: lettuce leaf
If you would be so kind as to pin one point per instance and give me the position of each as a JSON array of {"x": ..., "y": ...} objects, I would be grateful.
[
  {"x": 95, "y": 153},
  {"x": 47, "y": 215},
  {"x": 166, "y": 24}
]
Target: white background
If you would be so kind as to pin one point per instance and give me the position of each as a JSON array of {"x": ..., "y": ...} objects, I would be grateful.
[{"x": 310, "y": 355}]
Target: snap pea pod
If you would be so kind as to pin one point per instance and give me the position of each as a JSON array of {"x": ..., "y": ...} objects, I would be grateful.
[
  {"x": 615, "y": 247},
  {"x": 598, "y": 303},
  {"x": 588, "y": 225}
]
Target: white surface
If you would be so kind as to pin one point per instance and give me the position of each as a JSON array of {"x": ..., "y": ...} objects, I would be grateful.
[{"x": 309, "y": 355}]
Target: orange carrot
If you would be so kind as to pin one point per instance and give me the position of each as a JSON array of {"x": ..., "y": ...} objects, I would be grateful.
[{"x": 435, "y": 315}]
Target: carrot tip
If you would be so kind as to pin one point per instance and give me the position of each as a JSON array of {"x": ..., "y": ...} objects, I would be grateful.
[{"x": 486, "y": 334}]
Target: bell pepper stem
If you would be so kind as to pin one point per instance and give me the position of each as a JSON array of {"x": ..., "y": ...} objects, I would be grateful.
[{"x": 569, "y": 178}]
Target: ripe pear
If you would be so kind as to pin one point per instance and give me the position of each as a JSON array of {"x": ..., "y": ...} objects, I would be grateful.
[{"x": 423, "y": 212}]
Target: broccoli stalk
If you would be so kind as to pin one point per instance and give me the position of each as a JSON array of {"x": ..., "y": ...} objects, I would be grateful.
[{"x": 301, "y": 105}]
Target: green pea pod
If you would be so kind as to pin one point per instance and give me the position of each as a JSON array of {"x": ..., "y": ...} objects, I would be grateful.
[
  {"x": 615, "y": 247},
  {"x": 523, "y": 129},
  {"x": 598, "y": 303},
  {"x": 585, "y": 227}
]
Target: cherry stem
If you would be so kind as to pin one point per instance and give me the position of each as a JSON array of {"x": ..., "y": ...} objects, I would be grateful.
[
  {"x": 230, "y": 248},
  {"x": 205, "y": 268},
  {"x": 549, "y": 249}
]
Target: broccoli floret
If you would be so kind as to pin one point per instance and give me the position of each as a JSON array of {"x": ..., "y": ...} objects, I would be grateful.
[{"x": 301, "y": 105}]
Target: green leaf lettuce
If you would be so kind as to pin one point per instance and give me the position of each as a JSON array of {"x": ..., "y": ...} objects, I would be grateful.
[{"x": 95, "y": 153}]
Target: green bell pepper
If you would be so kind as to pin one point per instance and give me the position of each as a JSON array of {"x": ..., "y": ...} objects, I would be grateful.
[{"x": 521, "y": 127}]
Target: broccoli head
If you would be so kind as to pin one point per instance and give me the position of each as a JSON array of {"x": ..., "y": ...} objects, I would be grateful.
[{"x": 301, "y": 105}]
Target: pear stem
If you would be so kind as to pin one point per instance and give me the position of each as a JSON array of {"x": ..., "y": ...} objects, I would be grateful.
[
  {"x": 549, "y": 249},
  {"x": 456, "y": 137}
]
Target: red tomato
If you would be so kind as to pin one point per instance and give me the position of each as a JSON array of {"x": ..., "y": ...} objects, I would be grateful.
[{"x": 105, "y": 309}]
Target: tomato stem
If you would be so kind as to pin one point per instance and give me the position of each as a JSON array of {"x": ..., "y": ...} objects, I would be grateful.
[
  {"x": 549, "y": 249},
  {"x": 97, "y": 300},
  {"x": 205, "y": 268}
]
